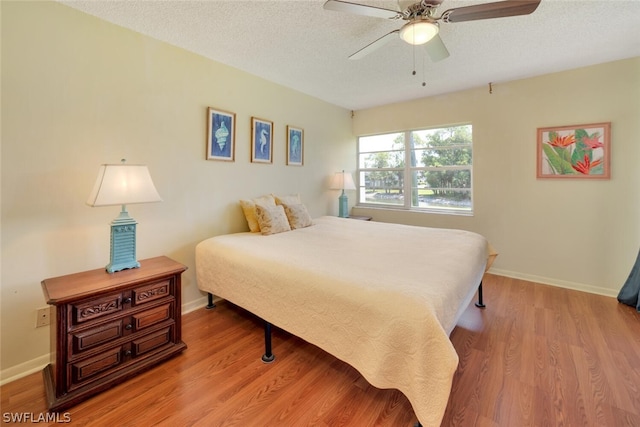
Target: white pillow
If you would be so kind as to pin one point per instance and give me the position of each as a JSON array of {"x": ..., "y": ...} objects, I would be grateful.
[
  {"x": 272, "y": 220},
  {"x": 298, "y": 215}
]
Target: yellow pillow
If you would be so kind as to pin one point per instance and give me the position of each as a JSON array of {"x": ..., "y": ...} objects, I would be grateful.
[
  {"x": 249, "y": 210},
  {"x": 272, "y": 220},
  {"x": 290, "y": 199},
  {"x": 298, "y": 215}
]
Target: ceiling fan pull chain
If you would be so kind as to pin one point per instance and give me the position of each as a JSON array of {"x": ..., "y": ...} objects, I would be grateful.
[
  {"x": 414, "y": 60},
  {"x": 424, "y": 72}
]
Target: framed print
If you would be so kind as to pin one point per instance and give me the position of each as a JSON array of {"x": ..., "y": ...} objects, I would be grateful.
[
  {"x": 221, "y": 135},
  {"x": 261, "y": 140},
  {"x": 578, "y": 151},
  {"x": 295, "y": 146}
]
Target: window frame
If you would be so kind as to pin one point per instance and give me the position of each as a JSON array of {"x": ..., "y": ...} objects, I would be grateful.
[{"x": 408, "y": 171}]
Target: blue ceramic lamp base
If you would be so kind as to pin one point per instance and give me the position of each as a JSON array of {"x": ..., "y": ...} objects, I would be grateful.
[
  {"x": 343, "y": 204},
  {"x": 123, "y": 243}
]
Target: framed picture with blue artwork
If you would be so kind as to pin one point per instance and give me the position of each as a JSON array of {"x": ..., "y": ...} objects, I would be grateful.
[
  {"x": 295, "y": 146},
  {"x": 221, "y": 135},
  {"x": 261, "y": 140}
]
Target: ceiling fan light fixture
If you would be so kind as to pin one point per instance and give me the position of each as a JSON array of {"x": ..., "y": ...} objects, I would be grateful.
[{"x": 419, "y": 31}]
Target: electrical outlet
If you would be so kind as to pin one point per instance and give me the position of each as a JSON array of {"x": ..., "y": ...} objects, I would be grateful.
[{"x": 43, "y": 317}]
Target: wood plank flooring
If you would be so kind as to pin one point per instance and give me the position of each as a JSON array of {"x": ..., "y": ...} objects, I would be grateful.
[{"x": 536, "y": 356}]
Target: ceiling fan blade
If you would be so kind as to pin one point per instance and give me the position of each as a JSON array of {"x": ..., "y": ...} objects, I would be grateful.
[
  {"x": 373, "y": 46},
  {"x": 360, "y": 9},
  {"x": 436, "y": 49},
  {"x": 498, "y": 9}
]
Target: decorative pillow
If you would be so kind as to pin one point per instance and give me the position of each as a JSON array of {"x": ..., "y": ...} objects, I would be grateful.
[
  {"x": 249, "y": 210},
  {"x": 298, "y": 215},
  {"x": 291, "y": 199},
  {"x": 272, "y": 220}
]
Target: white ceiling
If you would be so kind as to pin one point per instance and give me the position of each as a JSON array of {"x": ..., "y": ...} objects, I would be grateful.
[{"x": 300, "y": 45}]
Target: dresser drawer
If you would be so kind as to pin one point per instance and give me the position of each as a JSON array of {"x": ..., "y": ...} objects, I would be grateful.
[
  {"x": 85, "y": 370},
  {"x": 96, "y": 308},
  {"x": 152, "y": 341},
  {"x": 151, "y": 317},
  {"x": 87, "y": 339},
  {"x": 152, "y": 292}
]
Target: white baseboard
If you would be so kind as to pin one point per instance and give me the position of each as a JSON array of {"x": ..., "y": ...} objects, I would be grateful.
[
  {"x": 27, "y": 368},
  {"x": 22, "y": 370},
  {"x": 555, "y": 282},
  {"x": 194, "y": 305}
]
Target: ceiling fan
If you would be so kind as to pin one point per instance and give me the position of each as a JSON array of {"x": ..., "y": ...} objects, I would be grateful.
[{"x": 422, "y": 25}]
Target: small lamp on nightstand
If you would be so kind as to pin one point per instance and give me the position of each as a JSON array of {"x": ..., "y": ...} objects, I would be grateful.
[
  {"x": 123, "y": 184},
  {"x": 343, "y": 181}
]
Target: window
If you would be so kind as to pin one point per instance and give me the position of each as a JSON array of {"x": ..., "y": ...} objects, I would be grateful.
[{"x": 419, "y": 170}]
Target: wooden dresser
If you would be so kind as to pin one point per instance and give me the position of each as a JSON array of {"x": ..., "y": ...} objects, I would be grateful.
[{"x": 110, "y": 327}]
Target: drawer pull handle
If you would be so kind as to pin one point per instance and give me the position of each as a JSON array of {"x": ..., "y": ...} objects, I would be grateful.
[
  {"x": 129, "y": 327},
  {"x": 127, "y": 353},
  {"x": 127, "y": 300}
]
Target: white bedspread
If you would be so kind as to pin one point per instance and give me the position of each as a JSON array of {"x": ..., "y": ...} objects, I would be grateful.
[{"x": 381, "y": 297}]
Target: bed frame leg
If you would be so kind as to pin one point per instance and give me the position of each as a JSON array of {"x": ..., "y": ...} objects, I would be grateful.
[
  {"x": 268, "y": 356},
  {"x": 210, "y": 304},
  {"x": 480, "y": 304}
]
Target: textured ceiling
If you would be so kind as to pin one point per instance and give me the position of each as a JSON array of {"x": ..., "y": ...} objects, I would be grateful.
[{"x": 300, "y": 45}]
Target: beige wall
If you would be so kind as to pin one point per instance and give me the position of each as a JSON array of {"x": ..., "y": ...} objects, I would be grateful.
[
  {"x": 577, "y": 234},
  {"x": 78, "y": 92}
]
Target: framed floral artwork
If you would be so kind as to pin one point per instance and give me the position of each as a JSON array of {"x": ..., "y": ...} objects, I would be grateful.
[
  {"x": 221, "y": 135},
  {"x": 261, "y": 140},
  {"x": 295, "y": 146},
  {"x": 578, "y": 151}
]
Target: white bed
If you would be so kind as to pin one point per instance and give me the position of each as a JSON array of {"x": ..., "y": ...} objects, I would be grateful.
[{"x": 381, "y": 297}]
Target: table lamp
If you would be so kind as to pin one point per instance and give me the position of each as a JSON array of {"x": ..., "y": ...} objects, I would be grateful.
[
  {"x": 343, "y": 181},
  {"x": 123, "y": 184}
]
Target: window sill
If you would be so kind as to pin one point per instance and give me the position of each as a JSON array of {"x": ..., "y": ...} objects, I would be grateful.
[{"x": 454, "y": 212}]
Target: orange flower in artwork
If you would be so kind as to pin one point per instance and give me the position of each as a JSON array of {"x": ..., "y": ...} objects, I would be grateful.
[
  {"x": 585, "y": 166},
  {"x": 563, "y": 141}
]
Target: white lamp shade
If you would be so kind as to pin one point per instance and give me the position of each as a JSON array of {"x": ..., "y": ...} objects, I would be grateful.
[
  {"x": 342, "y": 181},
  {"x": 419, "y": 31},
  {"x": 123, "y": 184}
]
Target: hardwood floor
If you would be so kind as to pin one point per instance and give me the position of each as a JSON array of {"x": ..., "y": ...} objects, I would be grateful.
[{"x": 536, "y": 356}]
